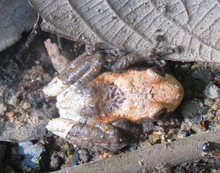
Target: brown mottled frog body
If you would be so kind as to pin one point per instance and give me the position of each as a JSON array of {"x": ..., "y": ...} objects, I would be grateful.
[{"x": 86, "y": 112}]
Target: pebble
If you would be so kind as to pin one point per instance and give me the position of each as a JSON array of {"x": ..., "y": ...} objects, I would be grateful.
[
  {"x": 215, "y": 106},
  {"x": 28, "y": 169},
  {"x": 212, "y": 91},
  {"x": 10, "y": 114},
  {"x": 203, "y": 74},
  {"x": 146, "y": 144},
  {"x": 218, "y": 113},
  {"x": 26, "y": 105},
  {"x": 194, "y": 108},
  {"x": 154, "y": 138},
  {"x": 3, "y": 108},
  {"x": 13, "y": 100},
  {"x": 209, "y": 102},
  {"x": 185, "y": 66},
  {"x": 198, "y": 65},
  {"x": 217, "y": 77}
]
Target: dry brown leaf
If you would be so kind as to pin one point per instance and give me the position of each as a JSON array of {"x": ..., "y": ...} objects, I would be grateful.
[
  {"x": 131, "y": 25},
  {"x": 59, "y": 62}
]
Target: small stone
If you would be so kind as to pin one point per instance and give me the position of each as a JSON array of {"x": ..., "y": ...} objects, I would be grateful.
[
  {"x": 208, "y": 102},
  {"x": 2, "y": 120},
  {"x": 2, "y": 91},
  {"x": 218, "y": 113},
  {"x": 217, "y": 77},
  {"x": 12, "y": 119},
  {"x": 10, "y": 114},
  {"x": 185, "y": 66},
  {"x": 212, "y": 91},
  {"x": 203, "y": 74},
  {"x": 45, "y": 106},
  {"x": 185, "y": 133},
  {"x": 146, "y": 144},
  {"x": 198, "y": 65},
  {"x": 154, "y": 138},
  {"x": 140, "y": 162},
  {"x": 3, "y": 108},
  {"x": 193, "y": 108},
  {"x": 215, "y": 106},
  {"x": 13, "y": 100},
  {"x": 28, "y": 169},
  {"x": 19, "y": 123},
  {"x": 26, "y": 105},
  {"x": 39, "y": 79}
]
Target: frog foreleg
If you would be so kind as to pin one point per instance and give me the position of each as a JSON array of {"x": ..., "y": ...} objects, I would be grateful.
[
  {"x": 130, "y": 59},
  {"x": 135, "y": 57}
]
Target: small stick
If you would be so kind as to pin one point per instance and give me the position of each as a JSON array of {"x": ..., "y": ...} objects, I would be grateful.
[{"x": 29, "y": 40}]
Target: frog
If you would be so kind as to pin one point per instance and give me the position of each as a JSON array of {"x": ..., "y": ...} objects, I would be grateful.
[{"x": 90, "y": 105}]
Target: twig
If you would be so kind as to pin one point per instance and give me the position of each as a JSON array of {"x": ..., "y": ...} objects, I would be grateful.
[{"x": 29, "y": 40}]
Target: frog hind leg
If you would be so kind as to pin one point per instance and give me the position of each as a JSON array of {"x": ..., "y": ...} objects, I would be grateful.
[
  {"x": 85, "y": 135},
  {"x": 80, "y": 71}
]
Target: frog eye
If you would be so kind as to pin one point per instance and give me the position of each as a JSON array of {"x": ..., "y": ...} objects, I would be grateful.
[
  {"x": 158, "y": 70},
  {"x": 160, "y": 114}
]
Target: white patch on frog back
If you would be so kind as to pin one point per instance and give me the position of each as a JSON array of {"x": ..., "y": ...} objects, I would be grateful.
[
  {"x": 70, "y": 103},
  {"x": 59, "y": 126}
]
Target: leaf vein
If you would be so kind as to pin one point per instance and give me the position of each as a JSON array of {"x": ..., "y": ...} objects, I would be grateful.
[
  {"x": 126, "y": 24},
  {"x": 113, "y": 36},
  {"x": 98, "y": 15},
  {"x": 101, "y": 37},
  {"x": 203, "y": 17},
  {"x": 184, "y": 29}
]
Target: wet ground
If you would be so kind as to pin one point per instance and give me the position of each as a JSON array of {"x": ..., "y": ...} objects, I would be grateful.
[{"x": 24, "y": 113}]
